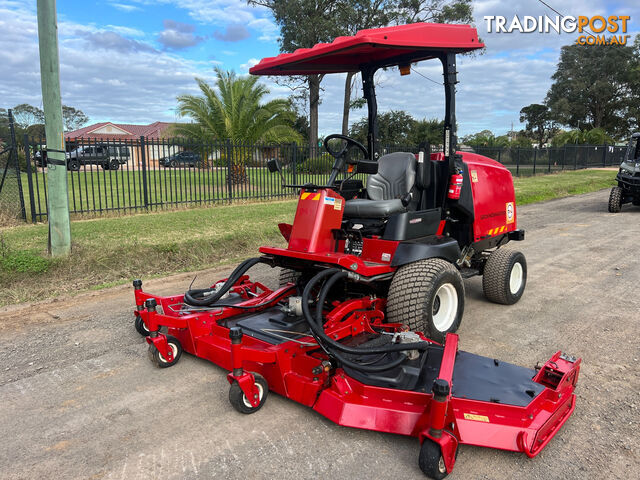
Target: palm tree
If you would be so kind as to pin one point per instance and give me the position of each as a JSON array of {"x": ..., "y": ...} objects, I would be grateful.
[{"x": 233, "y": 111}]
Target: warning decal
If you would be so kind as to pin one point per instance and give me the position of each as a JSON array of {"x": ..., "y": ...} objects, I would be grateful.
[{"x": 511, "y": 212}]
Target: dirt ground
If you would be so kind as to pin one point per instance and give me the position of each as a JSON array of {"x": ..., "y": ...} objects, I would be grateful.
[{"x": 80, "y": 399}]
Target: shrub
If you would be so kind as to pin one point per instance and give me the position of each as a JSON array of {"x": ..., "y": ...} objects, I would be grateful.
[{"x": 317, "y": 165}]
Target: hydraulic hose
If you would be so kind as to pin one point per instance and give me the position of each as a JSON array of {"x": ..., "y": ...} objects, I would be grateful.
[
  {"x": 331, "y": 346},
  {"x": 199, "y": 297}
]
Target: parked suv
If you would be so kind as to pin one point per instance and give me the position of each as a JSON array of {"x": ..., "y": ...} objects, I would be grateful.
[
  {"x": 628, "y": 178},
  {"x": 186, "y": 158},
  {"x": 109, "y": 157}
]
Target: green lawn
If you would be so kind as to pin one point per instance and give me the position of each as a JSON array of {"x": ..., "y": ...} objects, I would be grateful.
[
  {"x": 106, "y": 190},
  {"x": 115, "y": 249}
]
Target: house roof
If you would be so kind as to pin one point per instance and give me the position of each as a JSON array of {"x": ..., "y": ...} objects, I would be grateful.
[{"x": 122, "y": 131}]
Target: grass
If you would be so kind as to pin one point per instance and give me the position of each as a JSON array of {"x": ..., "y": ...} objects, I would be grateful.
[
  {"x": 113, "y": 250},
  {"x": 105, "y": 190}
]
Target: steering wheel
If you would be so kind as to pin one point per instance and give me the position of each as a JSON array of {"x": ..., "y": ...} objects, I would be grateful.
[{"x": 349, "y": 142}]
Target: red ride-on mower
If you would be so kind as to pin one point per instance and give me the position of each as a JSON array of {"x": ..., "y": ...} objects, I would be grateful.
[{"x": 360, "y": 328}]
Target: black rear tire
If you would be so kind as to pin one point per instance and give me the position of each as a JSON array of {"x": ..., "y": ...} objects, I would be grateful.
[
  {"x": 505, "y": 276},
  {"x": 73, "y": 165},
  {"x": 430, "y": 460},
  {"x": 615, "y": 200},
  {"x": 159, "y": 360},
  {"x": 114, "y": 165},
  {"x": 239, "y": 401},
  {"x": 427, "y": 295}
]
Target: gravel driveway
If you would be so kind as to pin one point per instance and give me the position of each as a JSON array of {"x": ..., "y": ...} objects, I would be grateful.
[{"x": 80, "y": 399}]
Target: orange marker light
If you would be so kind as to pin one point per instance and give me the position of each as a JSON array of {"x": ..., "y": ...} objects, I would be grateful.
[{"x": 405, "y": 69}]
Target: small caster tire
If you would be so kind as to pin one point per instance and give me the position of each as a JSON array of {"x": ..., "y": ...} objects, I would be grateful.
[
  {"x": 141, "y": 328},
  {"x": 430, "y": 460},
  {"x": 239, "y": 401},
  {"x": 159, "y": 360}
]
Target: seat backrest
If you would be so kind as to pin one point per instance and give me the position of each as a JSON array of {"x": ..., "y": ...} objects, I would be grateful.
[{"x": 396, "y": 176}]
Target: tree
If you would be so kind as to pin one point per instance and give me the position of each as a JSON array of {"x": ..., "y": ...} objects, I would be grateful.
[
  {"x": 486, "y": 138},
  {"x": 73, "y": 118},
  {"x": 26, "y": 115},
  {"x": 538, "y": 122},
  {"x": 303, "y": 23},
  {"x": 394, "y": 128},
  {"x": 426, "y": 131},
  {"x": 595, "y": 87},
  {"x": 236, "y": 111}
]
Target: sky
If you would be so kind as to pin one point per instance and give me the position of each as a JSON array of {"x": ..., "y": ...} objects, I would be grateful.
[{"x": 125, "y": 61}]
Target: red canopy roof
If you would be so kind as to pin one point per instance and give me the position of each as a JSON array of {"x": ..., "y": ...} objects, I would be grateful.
[{"x": 382, "y": 46}]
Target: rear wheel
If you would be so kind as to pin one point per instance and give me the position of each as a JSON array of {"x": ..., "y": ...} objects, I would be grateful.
[
  {"x": 615, "y": 200},
  {"x": 427, "y": 295},
  {"x": 430, "y": 460},
  {"x": 239, "y": 400},
  {"x": 505, "y": 276},
  {"x": 114, "y": 165},
  {"x": 73, "y": 165}
]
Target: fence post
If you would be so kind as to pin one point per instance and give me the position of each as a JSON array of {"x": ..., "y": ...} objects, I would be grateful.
[
  {"x": 604, "y": 154},
  {"x": 535, "y": 156},
  {"x": 229, "y": 150},
  {"x": 549, "y": 159},
  {"x": 143, "y": 157},
  {"x": 14, "y": 153},
  {"x": 499, "y": 155},
  {"x": 575, "y": 159},
  {"x": 564, "y": 155},
  {"x": 32, "y": 199},
  {"x": 518, "y": 162},
  {"x": 294, "y": 159}
]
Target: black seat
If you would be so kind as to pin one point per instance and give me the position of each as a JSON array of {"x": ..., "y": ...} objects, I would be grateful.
[{"x": 395, "y": 178}]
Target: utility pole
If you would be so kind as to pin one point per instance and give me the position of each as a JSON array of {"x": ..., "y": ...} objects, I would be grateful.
[{"x": 58, "y": 197}]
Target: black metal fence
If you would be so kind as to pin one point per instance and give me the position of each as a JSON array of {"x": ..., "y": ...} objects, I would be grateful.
[
  {"x": 134, "y": 175},
  {"x": 12, "y": 204}
]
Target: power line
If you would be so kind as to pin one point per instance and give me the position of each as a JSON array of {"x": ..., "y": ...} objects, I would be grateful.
[
  {"x": 424, "y": 76},
  {"x": 556, "y": 11}
]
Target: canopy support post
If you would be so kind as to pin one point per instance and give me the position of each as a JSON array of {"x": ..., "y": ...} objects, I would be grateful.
[{"x": 369, "y": 91}]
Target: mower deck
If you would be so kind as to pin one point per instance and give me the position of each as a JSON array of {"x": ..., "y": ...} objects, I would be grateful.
[{"x": 490, "y": 403}]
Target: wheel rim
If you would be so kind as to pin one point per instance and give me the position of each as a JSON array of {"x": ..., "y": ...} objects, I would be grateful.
[
  {"x": 174, "y": 350},
  {"x": 246, "y": 402},
  {"x": 445, "y": 307},
  {"x": 441, "y": 466},
  {"x": 516, "y": 277}
]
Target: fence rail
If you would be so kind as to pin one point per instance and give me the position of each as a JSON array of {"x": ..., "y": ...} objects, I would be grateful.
[{"x": 134, "y": 175}]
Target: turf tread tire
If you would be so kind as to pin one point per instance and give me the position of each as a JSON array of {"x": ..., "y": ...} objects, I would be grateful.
[
  {"x": 411, "y": 292},
  {"x": 158, "y": 361},
  {"x": 615, "y": 200},
  {"x": 497, "y": 271}
]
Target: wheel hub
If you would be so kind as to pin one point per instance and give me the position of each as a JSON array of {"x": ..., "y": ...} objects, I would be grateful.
[
  {"x": 445, "y": 307},
  {"x": 516, "y": 277}
]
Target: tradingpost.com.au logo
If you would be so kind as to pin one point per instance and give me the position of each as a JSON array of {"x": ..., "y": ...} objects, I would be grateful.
[{"x": 593, "y": 30}]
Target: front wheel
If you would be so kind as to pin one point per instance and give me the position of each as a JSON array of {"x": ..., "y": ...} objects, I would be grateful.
[
  {"x": 73, "y": 165},
  {"x": 114, "y": 165},
  {"x": 159, "y": 360},
  {"x": 505, "y": 276},
  {"x": 427, "y": 295},
  {"x": 431, "y": 461},
  {"x": 239, "y": 400},
  {"x": 141, "y": 328},
  {"x": 615, "y": 200}
]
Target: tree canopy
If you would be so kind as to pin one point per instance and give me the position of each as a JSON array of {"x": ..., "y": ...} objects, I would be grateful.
[
  {"x": 398, "y": 127},
  {"x": 235, "y": 110},
  {"x": 538, "y": 122},
  {"x": 597, "y": 87}
]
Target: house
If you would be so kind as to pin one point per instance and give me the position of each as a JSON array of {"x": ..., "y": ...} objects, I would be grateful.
[{"x": 128, "y": 135}]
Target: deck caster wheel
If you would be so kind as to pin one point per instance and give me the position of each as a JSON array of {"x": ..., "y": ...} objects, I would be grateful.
[
  {"x": 615, "y": 200},
  {"x": 428, "y": 295},
  {"x": 430, "y": 460},
  {"x": 505, "y": 276},
  {"x": 239, "y": 401},
  {"x": 159, "y": 360},
  {"x": 141, "y": 328}
]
